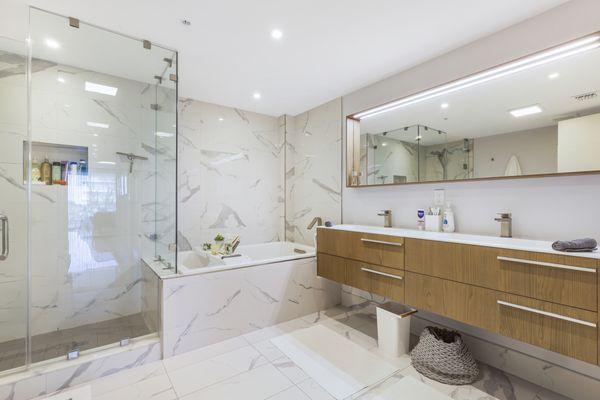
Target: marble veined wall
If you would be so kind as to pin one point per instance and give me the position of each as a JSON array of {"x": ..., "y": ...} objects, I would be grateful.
[
  {"x": 313, "y": 169},
  {"x": 230, "y": 177}
]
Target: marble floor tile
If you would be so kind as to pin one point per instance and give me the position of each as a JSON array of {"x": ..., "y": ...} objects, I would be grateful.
[
  {"x": 336, "y": 363},
  {"x": 268, "y": 349},
  {"x": 257, "y": 384},
  {"x": 276, "y": 330},
  {"x": 156, "y": 388},
  {"x": 204, "y": 353},
  {"x": 293, "y": 393},
  {"x": 80, "y": 393},
  {"x": 314, "y": 391},
  {"x": 290, "y": 369},
  {"x": 205, "y": 373}
]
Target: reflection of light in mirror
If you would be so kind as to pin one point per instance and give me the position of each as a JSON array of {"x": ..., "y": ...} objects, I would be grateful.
[
  {"x": 523, "y": 111},
  {"x": 276, "y": 34},
  {"x": 553, "y": 75},
  {"x": 53, "y": 44},
  {"x": 97, "y": 125},
  {"x": 165, "y": 134},
  {"x": 102, "y": 89},
  {"x": 575, "y": 47},
  {"x": 256, "y": 96},
  {"x": 61, "y": 79},
  {"x": 107, "y": 162},
  {"x": 221, "y": 119},
  {"x": 444, "y": 105},
  {"x": 384, "y": 144}
]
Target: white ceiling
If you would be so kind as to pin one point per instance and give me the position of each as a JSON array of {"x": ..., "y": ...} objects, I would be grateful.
[{"x": 329, "y": 48}]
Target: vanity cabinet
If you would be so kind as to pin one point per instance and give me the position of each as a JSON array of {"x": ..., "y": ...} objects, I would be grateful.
[
  {"x": 384, "y": 250},
  {"x": 566, "y": 330},
  {"x": 544, "y": 299},
  {"x": 566, "y": 280}
]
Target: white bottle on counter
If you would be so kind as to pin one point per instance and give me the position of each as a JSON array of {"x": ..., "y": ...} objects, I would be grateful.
[{"x": 448, "y": 221}]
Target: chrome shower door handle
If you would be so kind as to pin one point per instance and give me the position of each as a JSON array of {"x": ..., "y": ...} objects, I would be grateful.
[{"x": 5, "y": 235}]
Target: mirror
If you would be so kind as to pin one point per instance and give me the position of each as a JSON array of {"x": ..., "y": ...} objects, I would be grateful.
[{"x": 539, "y": 115}]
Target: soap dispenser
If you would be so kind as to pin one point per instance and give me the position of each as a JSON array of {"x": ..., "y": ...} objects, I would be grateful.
[{"x": 448, "y": 222}]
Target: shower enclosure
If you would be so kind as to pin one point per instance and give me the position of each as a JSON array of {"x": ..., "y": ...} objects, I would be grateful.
[{"x": 88, "y": 138}]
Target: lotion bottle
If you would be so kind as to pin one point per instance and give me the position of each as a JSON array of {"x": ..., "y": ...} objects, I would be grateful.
[{"x": 448, "y": 221}]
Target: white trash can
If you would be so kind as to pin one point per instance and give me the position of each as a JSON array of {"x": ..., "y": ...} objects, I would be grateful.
[{"x": 393, "y": 328}]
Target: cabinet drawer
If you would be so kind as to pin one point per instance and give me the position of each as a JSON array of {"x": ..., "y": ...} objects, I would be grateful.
[
  {"x": 386, "y": 282},
  {"x": 375, "y": 249},
  {"x": 466, "y": 303},
  {"x": 566, "y": 330},
  {"x": 560, "y": 279},
  {"x": 331, "y": 267}
]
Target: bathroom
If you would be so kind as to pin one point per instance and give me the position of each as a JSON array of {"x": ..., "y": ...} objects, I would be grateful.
[{"x": 161, "y": 197}]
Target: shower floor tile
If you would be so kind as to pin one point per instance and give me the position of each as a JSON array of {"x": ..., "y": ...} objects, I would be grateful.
[{"x": 57, "y": 344}]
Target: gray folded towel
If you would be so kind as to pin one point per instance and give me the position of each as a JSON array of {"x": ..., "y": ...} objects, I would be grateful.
[{"x": 586, "y": 244}]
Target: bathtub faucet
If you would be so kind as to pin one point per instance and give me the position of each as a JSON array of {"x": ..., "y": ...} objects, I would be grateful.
[{"x": 315, "y": 221}]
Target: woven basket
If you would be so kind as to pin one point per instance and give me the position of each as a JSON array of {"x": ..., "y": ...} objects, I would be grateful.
[{"x": 442, "y": 356}]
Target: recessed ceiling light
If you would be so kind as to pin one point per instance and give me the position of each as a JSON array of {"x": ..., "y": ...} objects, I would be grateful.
[
  {"x": 276, "y": 34},
  {"x": 61, "y": 79},
  {"x": 95, "y": 134},
  {"x": 256, "y": 96},
  {"x": 53, "y": 44},
  {"x": 221, "y": 119},
  {"x": 523, "y": 111},
  {"x": 165, "y": 134},
  {"x": 384, "y": 144},
  {"x": 107, "y": 162},
  {"x": 102, "y": 89},
  {"x": 97, "y": 125},
  {"x": 553, "y": 75},
  {"x": 444, "y": 105}
]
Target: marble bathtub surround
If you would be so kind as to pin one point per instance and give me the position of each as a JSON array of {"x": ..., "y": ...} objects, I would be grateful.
[
  {"x": 202, "y": 309},
  {"x": 249, "y": 367}
]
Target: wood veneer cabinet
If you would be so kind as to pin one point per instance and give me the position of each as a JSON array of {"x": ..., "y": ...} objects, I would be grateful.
[
  {"x": 560, "y": 279},
  {"x": 376, "y": 249},
  {"x": 548, "y": 300}
]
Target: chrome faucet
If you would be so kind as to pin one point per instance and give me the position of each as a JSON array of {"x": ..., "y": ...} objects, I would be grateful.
[
  {"x": 387, "y": 218},
  {"x": 505, "y": 220},
  {"x": 315, "y": 221}
]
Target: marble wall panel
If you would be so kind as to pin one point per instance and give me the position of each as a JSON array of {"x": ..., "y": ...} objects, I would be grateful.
[{"x": 199, "y": 310}]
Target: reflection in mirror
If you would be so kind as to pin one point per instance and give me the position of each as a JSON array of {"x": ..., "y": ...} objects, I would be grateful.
[{"x": 539, "y": 115}]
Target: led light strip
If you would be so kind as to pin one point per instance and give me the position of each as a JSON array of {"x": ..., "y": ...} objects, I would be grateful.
[{"x": 567, "y": 50}]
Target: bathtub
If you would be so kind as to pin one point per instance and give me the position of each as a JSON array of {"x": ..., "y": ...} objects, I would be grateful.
[
  {"x": 213, "y": 299},
  {"x": 197, "y": 261}
]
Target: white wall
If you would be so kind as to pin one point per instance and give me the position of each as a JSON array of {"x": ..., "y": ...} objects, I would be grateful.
[
  {"x": 579, "y": 143},
  {"x": 535, "y": 149},
  {"x": 544, "y": 208}
]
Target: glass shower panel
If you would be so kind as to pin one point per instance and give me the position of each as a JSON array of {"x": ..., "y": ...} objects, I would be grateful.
[
  {"x": 94, "y": 128},
  {"x": 166, "y": 162},
  {"x": 13, "y": 204}
]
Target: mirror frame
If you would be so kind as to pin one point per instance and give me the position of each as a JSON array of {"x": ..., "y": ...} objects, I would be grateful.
[{"x": 352, "y": 134}]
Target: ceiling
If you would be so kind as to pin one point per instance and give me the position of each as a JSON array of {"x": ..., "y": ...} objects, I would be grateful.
[{"x": 328, "y": 49}]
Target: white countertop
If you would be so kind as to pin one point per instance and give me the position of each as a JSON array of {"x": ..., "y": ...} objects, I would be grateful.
[{"x": 463, "y": 238}]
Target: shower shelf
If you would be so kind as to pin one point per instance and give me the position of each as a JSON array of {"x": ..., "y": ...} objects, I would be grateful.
[{"x": 53, "y": 152}]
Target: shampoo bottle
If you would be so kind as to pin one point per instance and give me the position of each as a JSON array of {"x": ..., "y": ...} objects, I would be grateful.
[{"x": 448, "y": 224}]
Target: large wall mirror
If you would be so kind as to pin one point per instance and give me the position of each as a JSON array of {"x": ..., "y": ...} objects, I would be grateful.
[{"x": 538, "y": 115}]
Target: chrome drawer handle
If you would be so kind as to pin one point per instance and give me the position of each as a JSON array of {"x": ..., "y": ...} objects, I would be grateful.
[
  {"x": 372, "y": 271},
  {"x": 381, "y": 242},
  {"x": 546, "y": 313},
  {"x": 5, "y": 237},
  {"x": 547, "y": 264}
]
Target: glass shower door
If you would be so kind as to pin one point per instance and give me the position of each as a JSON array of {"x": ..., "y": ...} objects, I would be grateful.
[{"x": 13, "y": 204}]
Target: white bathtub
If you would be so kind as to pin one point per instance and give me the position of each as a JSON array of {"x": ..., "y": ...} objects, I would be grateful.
[{"x": 197, "y": 261}]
